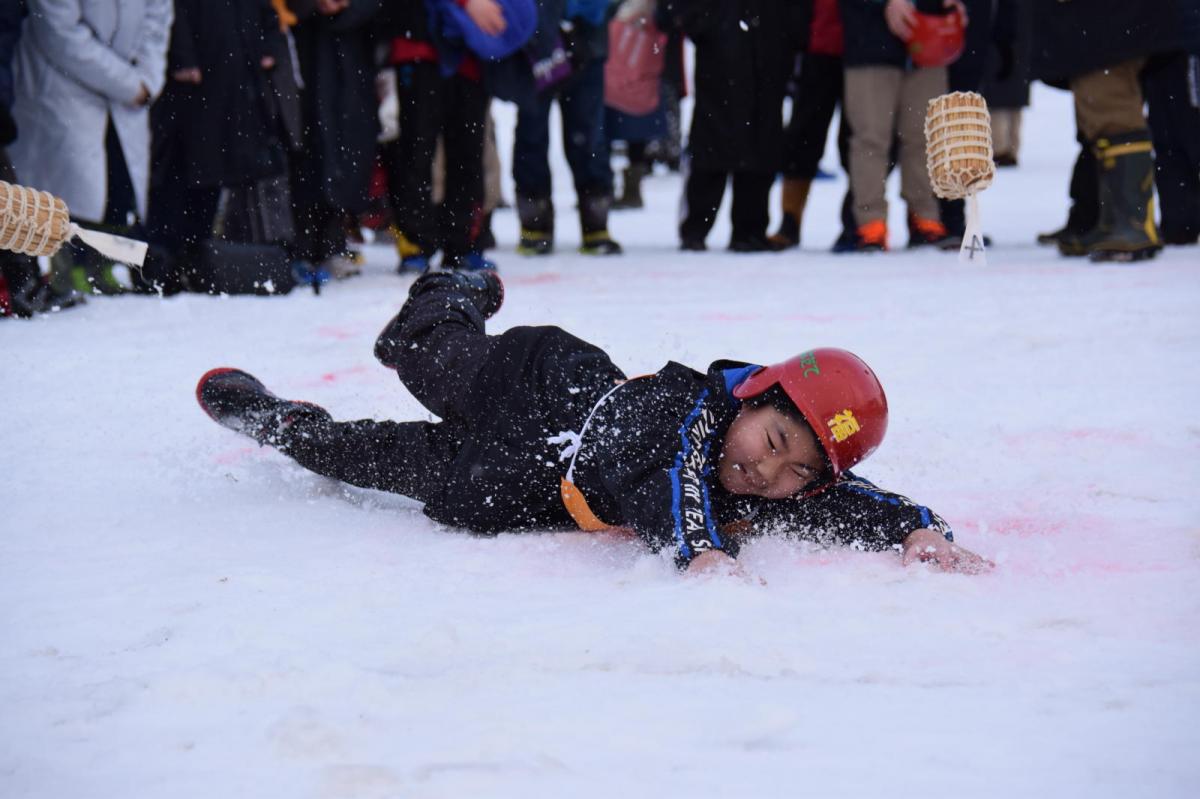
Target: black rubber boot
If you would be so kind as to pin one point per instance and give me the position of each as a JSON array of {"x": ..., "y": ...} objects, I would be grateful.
[
  {"x": 1085, "y": 211},
  {"x": 1126, "y": 229},
  {"x": 239, "y": 401},
  {"x": 537, "y": 225},
  {"x": 593, "y": 222},
  {"x": 631, "y": 188}
]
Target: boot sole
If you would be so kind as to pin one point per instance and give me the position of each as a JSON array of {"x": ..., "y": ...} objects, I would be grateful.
[{"x": 204, "y": 378}]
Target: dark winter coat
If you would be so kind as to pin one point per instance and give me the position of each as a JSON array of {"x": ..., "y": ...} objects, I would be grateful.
[
  {"x": 1072, "y": 37},
  {"x": 745, "y": 51},
  {"x": 869, "y": 42},
  {"x": 1007, "y": 85},
  {"x": 647, "y": 461},
  {"x": 511, "y": 79},
  {"x": 10, "y": 32},
  {"x": 337, "y": 66},
  {"x": 224, "y": 131}
]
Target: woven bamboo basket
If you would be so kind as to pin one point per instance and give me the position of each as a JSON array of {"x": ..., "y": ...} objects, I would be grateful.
[
  {"x": 32, "y": 222},
  {"x": 958, "y": 145},
  {"x": 37, "y": 223}
]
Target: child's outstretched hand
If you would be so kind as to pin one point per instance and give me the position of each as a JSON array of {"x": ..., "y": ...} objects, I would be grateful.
[
  {"x": 926, "y": 545},
  {"x": 717, "y": 562}
]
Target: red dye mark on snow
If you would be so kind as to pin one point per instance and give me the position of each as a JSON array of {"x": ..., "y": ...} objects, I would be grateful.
[
  {"x": 328, "y": 378},
  {"x": 533, "y": 280},
  {"x": 731, "y": 317},
  {"x": 232, "y": 456},
  {"x": 1088, "y": 566},
  {"x": 821, "y": 319},
  {"x": 333, "y": 377},
  {"x": 338, "y": 333},
  {"x": 1025, "y": 526},
  {"x": 1097, "y": 435},
  {"x": 824, "y": 318}
]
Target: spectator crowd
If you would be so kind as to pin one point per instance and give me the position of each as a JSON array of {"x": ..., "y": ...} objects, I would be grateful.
[{"x": 251, "y": 142}]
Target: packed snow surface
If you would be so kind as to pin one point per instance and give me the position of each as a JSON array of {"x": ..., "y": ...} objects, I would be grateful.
[{"x": 184, "y": 614}]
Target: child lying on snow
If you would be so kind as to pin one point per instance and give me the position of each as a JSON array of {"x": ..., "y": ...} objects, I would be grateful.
[{"x": 687, "y": 460}]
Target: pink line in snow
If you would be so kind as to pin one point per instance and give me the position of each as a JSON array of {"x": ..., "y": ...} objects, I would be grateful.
[
  {"x": 328, "y": 378},
  {"x": 823, "y": 319},
  {"x": 533, "y": 280},
  {"x": 232, "y": 456},
  {"x": 339, "y": 333}
]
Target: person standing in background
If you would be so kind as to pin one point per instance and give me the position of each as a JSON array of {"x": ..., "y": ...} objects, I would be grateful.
[
  {"x": 886, "y": 97},
  {"x": 744, "y": 54},
  {"x": 216, "y": 125},
  {"x": 86, "y": 72},
  {"x": 1006, "y": 88},
  {"x": 1099, "y": 50},
  {"x": 331, "y": 172},
  {"x": 564, "y": 61},
  {"x": 23, "y": 290},
  {"x": 817, "y": 94}
]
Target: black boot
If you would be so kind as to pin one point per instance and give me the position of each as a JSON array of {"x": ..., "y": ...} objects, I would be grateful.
[
  {"x": 1085, "y": 205},
  {"x": 593, "y": 221},
  {"x": 537, "y": 225},
  {"x": 631, "y": 188},
  {"x": 1126, "y": 229},
  {"x": 239, "y": 401},
  {"x": 482, "y": 287}
]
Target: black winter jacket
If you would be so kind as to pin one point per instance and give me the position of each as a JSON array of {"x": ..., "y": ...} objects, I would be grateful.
[
  {"x": 647, "y": 461},
  {"x": 869, "y": 42},
  {"x": 745, "y": 52},
  {"x": 1072, "y": 37}
]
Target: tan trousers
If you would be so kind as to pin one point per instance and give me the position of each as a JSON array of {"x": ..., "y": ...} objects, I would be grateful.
[
  {"x": 1006, "y": 131},
  {"x": 1108, "y": 102},
  {"x": 883, "y": 103}
]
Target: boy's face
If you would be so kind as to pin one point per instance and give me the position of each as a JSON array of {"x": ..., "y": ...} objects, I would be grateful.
[{"x": 769, "y": 454}]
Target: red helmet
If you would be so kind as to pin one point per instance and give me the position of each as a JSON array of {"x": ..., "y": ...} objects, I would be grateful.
[
  {"x": 936, "y": 40},
  {"x": 838, "y": 395}
]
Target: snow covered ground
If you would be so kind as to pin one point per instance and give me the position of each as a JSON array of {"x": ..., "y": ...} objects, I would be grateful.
[{"x": 183, "y": 614}]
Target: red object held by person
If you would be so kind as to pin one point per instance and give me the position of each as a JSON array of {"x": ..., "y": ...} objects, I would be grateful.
[{"x": 937, "y": 40}]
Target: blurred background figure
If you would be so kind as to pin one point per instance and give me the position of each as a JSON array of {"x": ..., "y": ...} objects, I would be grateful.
[
  {"x": 886, "y": 94},
  {"x": 85, "y": 74},
  {"x": 816, "y": 94},
  {"x": 228, "y": 121},
  {"x": 331, "y": 173},
  {"x": 634, "y": 103},
  {"x": 1171, "y": 82},
  {"x": 744, "y": 54},
  {"x": 442, "y": 106},
  {"x": 563, "y": 62},
  {"x": 1006, "y": 87},
  {"x": 1100, "y": 50},
  {"x": 23, "y": 289}
]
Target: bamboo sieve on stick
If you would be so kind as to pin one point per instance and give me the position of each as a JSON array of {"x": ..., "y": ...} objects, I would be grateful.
[
  {"x": 37, "y": 223},
  {"x": 958, "y": 152}
]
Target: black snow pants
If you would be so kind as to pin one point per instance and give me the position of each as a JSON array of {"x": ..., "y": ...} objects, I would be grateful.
[{"x": 437, "y": 345}]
